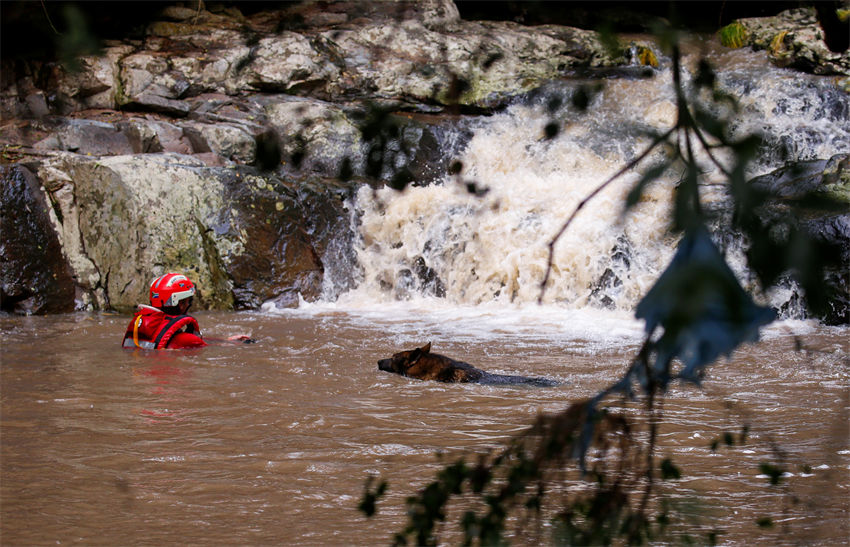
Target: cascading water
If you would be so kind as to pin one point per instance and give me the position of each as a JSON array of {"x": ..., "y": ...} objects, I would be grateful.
[{"x": 442, "y": 244}]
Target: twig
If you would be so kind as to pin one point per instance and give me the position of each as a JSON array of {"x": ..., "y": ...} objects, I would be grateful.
[
  {"x": 707, "y": 149},
  {"x": 618, "y": 174},
  {"x": 48, "y": 17}
]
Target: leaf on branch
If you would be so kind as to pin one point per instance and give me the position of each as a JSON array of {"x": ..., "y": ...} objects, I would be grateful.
[
  {"x": 734, "y": 35},
  {"x": 649, "y": 177},
  {"x": 368, "y": 504},
  {"x": 687, "y": 210},
  {"x": 702, "y": 309},
  {"x": 774, "y": 474},
  {"x": 765, "y": 522},
  {"x": 669, "y": 470}
]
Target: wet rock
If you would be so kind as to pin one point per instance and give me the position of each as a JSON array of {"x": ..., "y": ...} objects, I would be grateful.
[
  {"x": 819, "y": 192},
  {"x": 605, "y": 292},
  {"x": 315, "y": 15},
  {"x": 329, "y": 222},
  {"x": 228, "y": 141},
  {"x": 245, "y": 238},
  {"x": 466, "y": 63},
  {"x": 126, "y": 219},
  {"x": 37, "y": 105},
  {"x": 830, "y": 178},
  {"x": 417, "y": 280},
  {"x": 833, "y": 232},
  {"x": 287, "y": 62},
  {"x": 607, "y": 282},
  {"x": 87, "y": 137},
  {"x": 285, "y": 234},
  {"x": 152, "y": 136},
  {"x": 793, "y": 39},
  {"x": 148, "y": 82},
  {"x": 315, "y": 137},
  {"x": 35, "y": 277},
  {"x": 429, "y": 281},
  {"x": 93, "y": 86},
  {"x": 410, "y": 52}
]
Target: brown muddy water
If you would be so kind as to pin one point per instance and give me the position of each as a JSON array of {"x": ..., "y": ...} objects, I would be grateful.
[{"x": 270, "y": 444}]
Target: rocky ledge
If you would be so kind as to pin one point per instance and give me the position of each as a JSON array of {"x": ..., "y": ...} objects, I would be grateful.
[{"x": 226, "y": 146}]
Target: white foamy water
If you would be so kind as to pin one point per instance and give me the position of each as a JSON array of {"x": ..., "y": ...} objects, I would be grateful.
[
  {"x": 439, "y": 254},
  {"x": 494, "y": 249},
  {"x": 418, "y": 320}
]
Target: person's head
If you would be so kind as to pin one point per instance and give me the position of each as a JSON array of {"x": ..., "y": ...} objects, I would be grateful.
[{"x": 172, "y": 293}]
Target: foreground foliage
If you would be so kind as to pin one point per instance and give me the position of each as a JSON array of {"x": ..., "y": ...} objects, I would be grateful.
[{"x": 591, "y": 471}]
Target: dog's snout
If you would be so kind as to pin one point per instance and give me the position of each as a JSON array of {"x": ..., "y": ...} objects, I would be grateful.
[{"x": 384, "y": 364}]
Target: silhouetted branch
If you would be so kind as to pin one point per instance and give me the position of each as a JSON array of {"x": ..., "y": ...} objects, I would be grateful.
[{"x": 631, "y": 165}]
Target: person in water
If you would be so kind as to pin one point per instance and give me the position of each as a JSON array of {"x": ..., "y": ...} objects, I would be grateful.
[{"x": 165, "y": 323}]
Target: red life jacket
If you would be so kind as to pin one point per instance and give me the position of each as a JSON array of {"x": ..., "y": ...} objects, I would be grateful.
[{"x": 151, "y": 328}]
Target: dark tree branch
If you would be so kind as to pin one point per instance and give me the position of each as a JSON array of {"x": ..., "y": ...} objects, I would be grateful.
[{"x": 631, "y": 165}]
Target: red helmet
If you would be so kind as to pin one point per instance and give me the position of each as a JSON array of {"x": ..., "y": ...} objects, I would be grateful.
[{"x": 169, "y": 289}]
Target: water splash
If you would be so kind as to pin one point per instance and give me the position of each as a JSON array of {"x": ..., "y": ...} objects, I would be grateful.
[{"x": 440, "y": 242}]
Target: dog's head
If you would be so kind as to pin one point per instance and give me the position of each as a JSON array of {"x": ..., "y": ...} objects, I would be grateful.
[{"x": 401, "y": 362}]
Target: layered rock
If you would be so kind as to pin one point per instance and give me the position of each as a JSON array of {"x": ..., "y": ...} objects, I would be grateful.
[
  {"x": 35, "y": 277},
  {"x": 244, "y": 237},
  {"x": 208, "y": 145},
  {"x": 225, "y": 146},
  {"x": 794, "y": 39},
  {"x": 819, "y": 192}
]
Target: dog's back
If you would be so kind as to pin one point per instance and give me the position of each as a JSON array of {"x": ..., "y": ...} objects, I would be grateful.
[
  {"x": 513, "y": 380},
  {"x": 433, "y": 366},
  {"x": 421, "y": 364}
]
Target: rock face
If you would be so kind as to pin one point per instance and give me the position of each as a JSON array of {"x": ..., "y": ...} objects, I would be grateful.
[
  {"x": 794, "y": 39},
  {"x": 816, "y": 183},
  {"x": 242, "y": 236},
  {"x": 34, "y": 278},
  {"x": 225, "y": 146}
]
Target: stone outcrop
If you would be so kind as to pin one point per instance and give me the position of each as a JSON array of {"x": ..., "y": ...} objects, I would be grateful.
[
  {"x": 820, "y": 193},
  {"x": 243, "y": 236},
  {"x": 35, "y": 277},
  {"x": 793, "y": 39},
  {"x": 225, "y": 146}
]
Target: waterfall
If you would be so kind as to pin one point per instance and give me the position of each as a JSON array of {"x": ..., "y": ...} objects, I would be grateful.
[{"x": 440, "y": 242}]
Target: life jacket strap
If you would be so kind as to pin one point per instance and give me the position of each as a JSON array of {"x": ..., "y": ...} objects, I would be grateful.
[
  {"x": 167, "y": 329},
  {"x": 136, "y": 324}
]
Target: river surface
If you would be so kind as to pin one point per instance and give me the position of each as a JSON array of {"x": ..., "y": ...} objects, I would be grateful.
[{"x": 271, "y": 443}]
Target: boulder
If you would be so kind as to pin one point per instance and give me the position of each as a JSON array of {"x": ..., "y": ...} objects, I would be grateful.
[
  {"x": 829, "y": 178},
  {"x": 151, "y": 136},
  {"x": 314, "y": 136},
  {"x": 232, "y": 142},
  {"x": 91, "y": 138},
  {"x": 93, "y": 86},
  {"x": 793, "y": 39},
  {"x": 280, "y": 260},
  {"x": 35, "y": 277},
  {"x": 244, "y": 237},
  {"x": 820, "y": 193},
  {"x": 417, "y": 53},
  {"x": 126, "y": 219},
  {"x": 466, "y": 63},
  {"x": 288, "y": 62}
]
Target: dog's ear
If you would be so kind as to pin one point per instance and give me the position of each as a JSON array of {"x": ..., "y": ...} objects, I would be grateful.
[
  {"x": 413, "y": 356},
  {"x": 426, "y": 348}
]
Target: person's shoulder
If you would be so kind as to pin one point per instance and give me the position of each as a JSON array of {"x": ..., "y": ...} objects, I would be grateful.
[{"x": 186, "y": 340}]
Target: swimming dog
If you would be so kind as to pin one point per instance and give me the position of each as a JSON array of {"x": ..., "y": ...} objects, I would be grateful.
[{"x": 421, "y": 364}]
